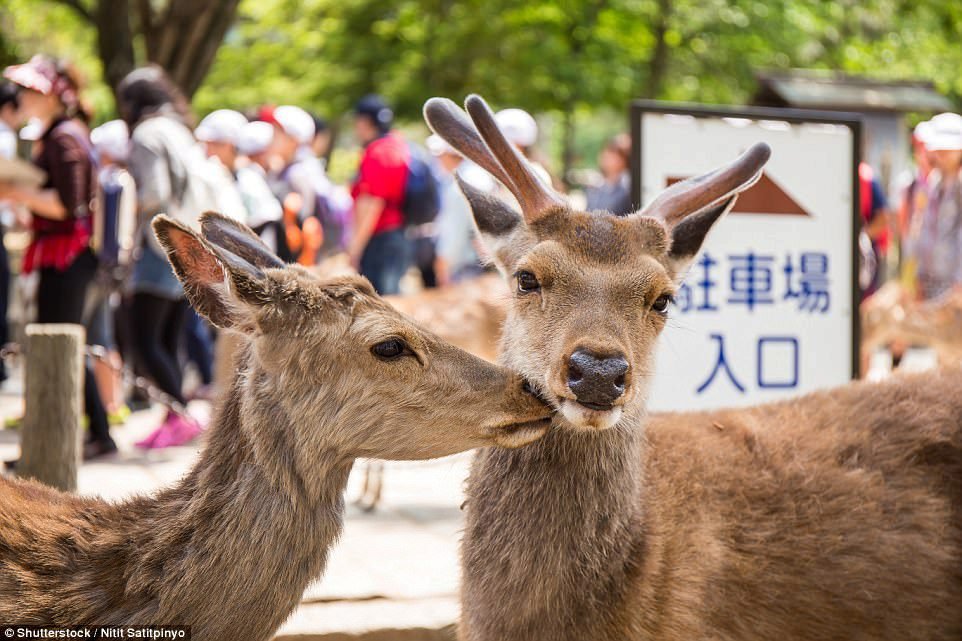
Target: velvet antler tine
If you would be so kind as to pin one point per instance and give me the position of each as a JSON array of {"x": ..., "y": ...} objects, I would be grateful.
[
  {"x": 699, "y": 193},
  {"x": 447, "y": 120},
  {"x": 534, "y": 196}
]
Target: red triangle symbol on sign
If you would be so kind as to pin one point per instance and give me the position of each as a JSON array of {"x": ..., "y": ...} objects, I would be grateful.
[{"x": 764, "y": 197}]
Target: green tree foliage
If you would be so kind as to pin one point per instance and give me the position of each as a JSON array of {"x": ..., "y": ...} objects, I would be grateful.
[{"x": 579, "y": 61}]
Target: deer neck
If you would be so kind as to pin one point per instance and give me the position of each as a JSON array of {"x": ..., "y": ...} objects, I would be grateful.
[
  {"x": 553, "y": 531},
  {"x": 231, "y": 549}
]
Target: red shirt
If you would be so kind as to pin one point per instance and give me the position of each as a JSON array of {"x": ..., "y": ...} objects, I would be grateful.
[
  {"x": 65, "y": 155},
  {"x": 383, "y": 173}
]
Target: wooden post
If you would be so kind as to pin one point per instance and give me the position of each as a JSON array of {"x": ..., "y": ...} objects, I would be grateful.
[{"x": 50, "y": 444}]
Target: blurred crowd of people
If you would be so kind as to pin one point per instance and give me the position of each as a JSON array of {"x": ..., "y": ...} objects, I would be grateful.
[
  {"x": 918, "y": 240},
  {"x": 929, "y": 218},
  {"x": 97, "y": 263}
]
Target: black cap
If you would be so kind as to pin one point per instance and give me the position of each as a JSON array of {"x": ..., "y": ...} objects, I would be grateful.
[
  {"x": 9, "y": 93},
  {"x": 373, "y": 106}
]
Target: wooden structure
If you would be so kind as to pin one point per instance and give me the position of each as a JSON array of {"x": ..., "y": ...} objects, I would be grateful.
[{"x": 50, "y": 445}]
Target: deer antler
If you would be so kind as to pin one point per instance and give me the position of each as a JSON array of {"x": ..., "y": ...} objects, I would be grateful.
[
  {"x": 484, "y": 143},
  {"x": 447, "y": 120},
  {"x": 699, "y": 193}
]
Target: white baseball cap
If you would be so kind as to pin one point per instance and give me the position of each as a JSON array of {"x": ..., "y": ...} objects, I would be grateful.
[
  {"x": 223, "y": 125},
  {"x": 438, "y": 146},
  {"x": 922, "y": 131},
  {"x": 112, "y": 139},
  {"x": 255, "y": 137},
  {"x": 518, "y": 125},
  {"x": 295, "y": 122},
  {"x": 944, "y": 132}
]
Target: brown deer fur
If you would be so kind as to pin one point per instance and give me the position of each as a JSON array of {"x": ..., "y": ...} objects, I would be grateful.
[
  {"x": 230, "y": 548},
  {"x": 837, "y": 516}
]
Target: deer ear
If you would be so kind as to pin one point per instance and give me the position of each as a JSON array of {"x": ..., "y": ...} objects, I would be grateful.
[
  {"x": 239, "y": 239},
  {"x": 216, "y": 281},
  {"x": 496, "y": 220},
  {"x": 688, "y": 235}
]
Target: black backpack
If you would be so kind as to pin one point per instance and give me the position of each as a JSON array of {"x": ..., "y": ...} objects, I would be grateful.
[{"x": 422, "y": 194}]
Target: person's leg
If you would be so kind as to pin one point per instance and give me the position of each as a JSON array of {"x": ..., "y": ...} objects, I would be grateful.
[
  {"x": 371, "y": 260},
  {"x": 4, "y": 298},
  {"x": 384, "y": 261},
  {"x": 60, "y": 299},
  {"x": 396, "y": 255},
  {"x": 425, "y": 253},
  {"x": 176, "y": 429},
  {"x": 150, "y": 316},
  {"x": 200, "y": 346}
]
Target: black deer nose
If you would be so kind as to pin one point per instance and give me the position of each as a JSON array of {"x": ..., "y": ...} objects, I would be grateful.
[{"x": 597, "y": 381}]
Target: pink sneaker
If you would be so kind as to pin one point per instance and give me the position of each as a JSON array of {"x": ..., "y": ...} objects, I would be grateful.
[{"x": 175, "y": 430}]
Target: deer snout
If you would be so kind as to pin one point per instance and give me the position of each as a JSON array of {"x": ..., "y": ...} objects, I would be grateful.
[
  {"x": 597, "y": 381},
  {"x": 529, "y": 416}
]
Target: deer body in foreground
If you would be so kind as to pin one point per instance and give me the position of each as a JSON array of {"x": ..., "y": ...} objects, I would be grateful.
[
  {"x": 837, "y": 516},
  {"x": 328, "y": 372}
]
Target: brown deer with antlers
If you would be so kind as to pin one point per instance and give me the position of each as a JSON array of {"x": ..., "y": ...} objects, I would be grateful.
[
  {"x": 329, "y": 372},
  {"x": 837, "y": 516}
]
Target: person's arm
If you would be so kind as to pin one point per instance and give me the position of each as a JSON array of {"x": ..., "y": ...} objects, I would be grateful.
[
  {"x": 70, "y": 178},
  {"x": 367, "y": 211},
  {"x": 882, "y": 217},
  {"x": 45, "y": 203},
  {"x": 879, "y": 224},
  {"x": 151, "y": 173}
]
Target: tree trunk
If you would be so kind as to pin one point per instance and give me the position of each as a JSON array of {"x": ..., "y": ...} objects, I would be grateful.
[
  {"x": 658, "y": 64},
  {"x": 50, "y": 445},
  {"x": 115, "y": 43},
  {"x": 184, "y": 38},
  {"x": 567, "y": 143}
]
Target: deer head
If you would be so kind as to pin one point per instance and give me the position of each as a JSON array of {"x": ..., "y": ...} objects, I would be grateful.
[
  {"x": 356, "y": 376},
  {"x": 592, "y": 291}
]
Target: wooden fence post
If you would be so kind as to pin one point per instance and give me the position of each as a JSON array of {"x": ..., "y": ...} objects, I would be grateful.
[{"x": 50, "y": 444}]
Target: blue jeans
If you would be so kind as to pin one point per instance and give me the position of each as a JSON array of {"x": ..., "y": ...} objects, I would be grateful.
[{"x": 384, "y": 261}]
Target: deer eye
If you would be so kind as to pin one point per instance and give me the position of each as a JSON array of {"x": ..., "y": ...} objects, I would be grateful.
[
  {"x": 391, "y": 349},
  {"x": 527, "y": 282},
  {"x": 662, "y": 303}
]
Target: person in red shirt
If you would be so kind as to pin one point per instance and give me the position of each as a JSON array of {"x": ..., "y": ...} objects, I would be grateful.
[{"x": 378, "y": 247}]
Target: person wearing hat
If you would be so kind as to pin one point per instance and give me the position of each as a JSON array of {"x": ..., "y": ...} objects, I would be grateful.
[
  {"x": 218, "y": 131},
  {"x": 263, "y": 209},
  {"x": 457, "y": 256},
  {"x": 115, "y": 226},
  {"x": 913, "y": 202},
  {"x": 521, "y": 130},
  {"x": 306, "y": 193},
  {"x": 61, "y": 210},
  {"x": 939, "y": 251},
  {"x": 378, "y": 247}
]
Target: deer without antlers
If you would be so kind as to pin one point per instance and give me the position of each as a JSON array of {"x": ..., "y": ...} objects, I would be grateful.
[
  {"x": 328, "y": 372},
  {"x": 834, "y": 516}
]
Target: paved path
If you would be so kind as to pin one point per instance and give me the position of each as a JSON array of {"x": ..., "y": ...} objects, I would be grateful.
[{"x": 394, "y": 574}]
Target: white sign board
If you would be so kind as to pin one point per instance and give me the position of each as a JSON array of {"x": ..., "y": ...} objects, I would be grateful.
[{"x": 768, "y": 308}]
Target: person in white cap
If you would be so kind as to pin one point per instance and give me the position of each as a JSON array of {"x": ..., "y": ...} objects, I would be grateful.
[
  {"x": 457, "y": 257},
  {"x": 913, "y": 189},
  {"x": 219, "y": 131},
  {"x": 322, "y": 209},
  {"x": 114, "y": 238},
  {"x": 263, "y": 209},
  {"x": 940, "y": 241},
  {"x": 521, "y": 130}
]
